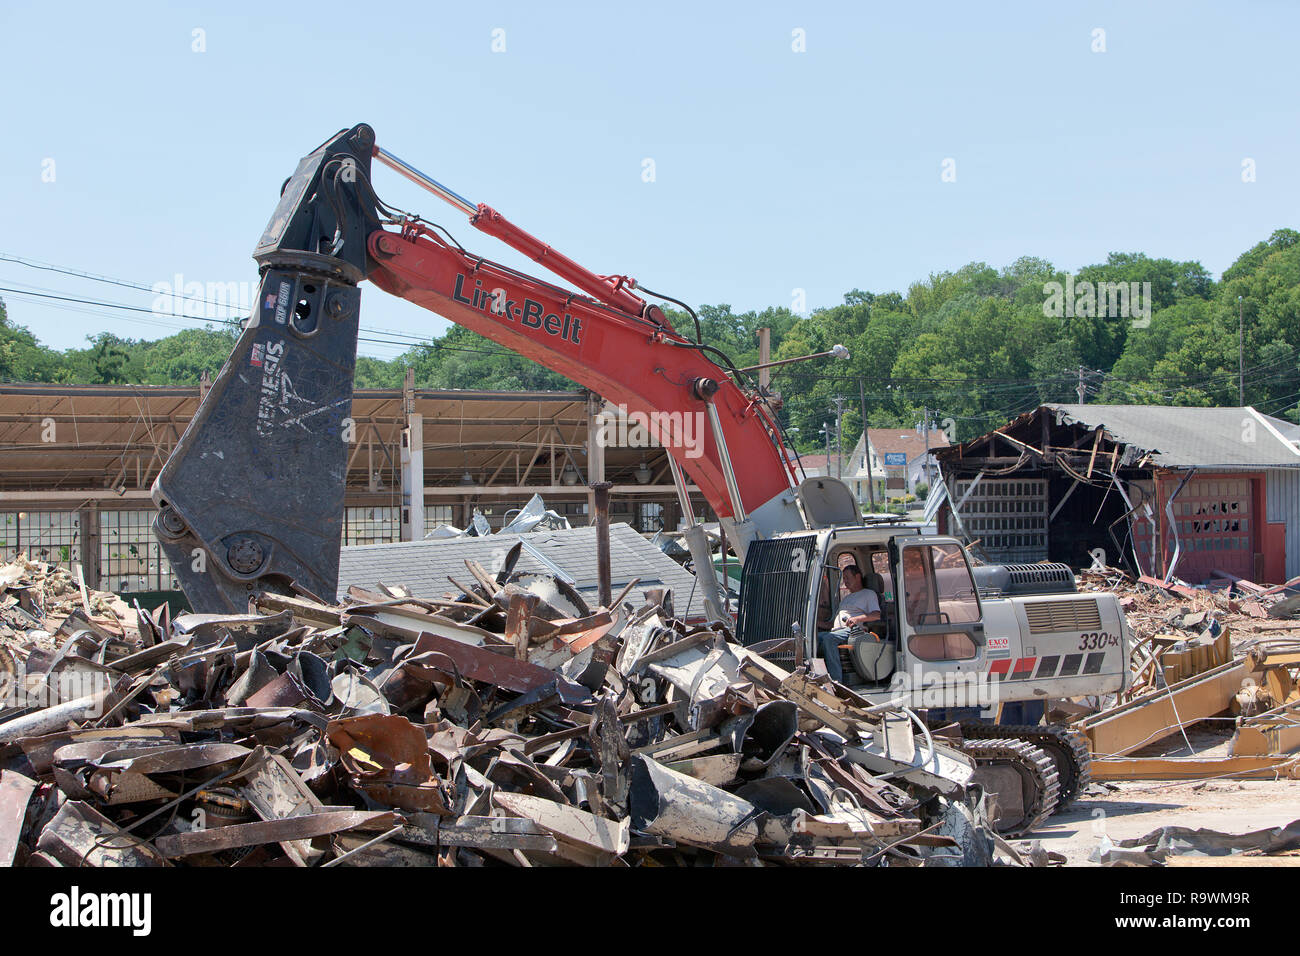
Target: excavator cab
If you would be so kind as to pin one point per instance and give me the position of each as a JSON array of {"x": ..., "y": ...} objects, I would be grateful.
[{"x": 930, "y": 635}]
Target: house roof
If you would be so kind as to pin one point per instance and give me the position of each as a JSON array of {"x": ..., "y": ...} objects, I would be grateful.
[
  {"x": 1289, "y": 430},
  {"x": 812, "y": 461},
  {"x": 423, "y": 566},
  {"x": 1178, "y": 437},
  {"x": 906, "y": 440}
]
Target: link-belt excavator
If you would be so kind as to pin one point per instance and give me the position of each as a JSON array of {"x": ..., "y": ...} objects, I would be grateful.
[{"x": 251, "y": 498}]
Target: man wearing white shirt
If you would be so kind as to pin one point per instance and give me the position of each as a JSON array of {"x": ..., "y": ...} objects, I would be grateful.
[{"x": 860, "y": 606}]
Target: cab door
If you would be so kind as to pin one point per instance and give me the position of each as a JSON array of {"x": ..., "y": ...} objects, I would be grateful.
[{"x": 941, "y": 623}]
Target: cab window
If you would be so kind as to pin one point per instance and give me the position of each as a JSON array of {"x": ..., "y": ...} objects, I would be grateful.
[
  {"x": 937, "y": 585},
  {"x": 954, "y": 646},
  {"x": 828, "y": 598},
  {"x": 880, "y": 564}
]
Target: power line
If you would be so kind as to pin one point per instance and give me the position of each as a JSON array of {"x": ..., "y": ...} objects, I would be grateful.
[
  {"x": 907, "y": 390},
  {"x": 1218, "y": 378},
  {"x": 993, "y": 384},
  {"x": 67, "y": 307},
  {"x": 65, "y": 270},
  {"x": 1282, "y": 402},
  {"x": 106, "y": 305},
  {"x": 410, "y": 339},
  {"x": 234, "y": 323}
]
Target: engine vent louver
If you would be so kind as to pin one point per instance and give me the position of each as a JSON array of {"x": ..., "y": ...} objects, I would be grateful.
[{"x": 1047, "y": 617}]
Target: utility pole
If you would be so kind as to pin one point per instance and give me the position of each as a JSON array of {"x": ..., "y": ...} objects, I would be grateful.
[
  {"x": 1082, "y": 389},
  {"x": 866, "y": 444},
  {"x": 839, "y": 401},
  {"x": 925, "y": 462},
  {"x": 1241, "y": 359},
  {"x": 412, "y": 464}
]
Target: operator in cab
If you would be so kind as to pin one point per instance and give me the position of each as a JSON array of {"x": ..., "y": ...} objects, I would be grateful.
[{"x": 860, "y": 606}]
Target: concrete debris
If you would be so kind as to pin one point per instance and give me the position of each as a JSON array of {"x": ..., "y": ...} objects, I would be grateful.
[{"x": 506, "y": 723}]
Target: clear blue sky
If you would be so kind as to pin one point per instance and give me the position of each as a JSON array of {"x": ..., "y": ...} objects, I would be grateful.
[{"x": 775, "y": 170}]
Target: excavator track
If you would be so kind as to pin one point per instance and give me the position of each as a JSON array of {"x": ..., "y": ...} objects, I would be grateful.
[
  {"x": 1067, "y": 748},
  {"x": 1033, "y": 769}
]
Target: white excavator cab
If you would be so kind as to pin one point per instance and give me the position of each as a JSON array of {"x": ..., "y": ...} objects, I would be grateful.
[
  {"x": 930, "y": 614},
  {"x": 950, "y": 635}
]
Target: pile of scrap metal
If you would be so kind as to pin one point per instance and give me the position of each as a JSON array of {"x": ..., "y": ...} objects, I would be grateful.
[
  {"x": 499, "y": 725},
  {"x": 1223, "y": 659},
  {"x": 1184, "y": 846},
  {"x": 534, "y": 516},
  {"x": 673, "y": 543}
]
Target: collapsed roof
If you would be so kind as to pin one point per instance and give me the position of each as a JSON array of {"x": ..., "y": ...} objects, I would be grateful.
[{"x": 1178, "y": 437}]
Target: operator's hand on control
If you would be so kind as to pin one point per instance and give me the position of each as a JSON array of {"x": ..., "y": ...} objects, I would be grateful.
[{"x": 857, "y": 620}]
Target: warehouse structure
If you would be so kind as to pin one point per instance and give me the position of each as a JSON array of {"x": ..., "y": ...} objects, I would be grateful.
[
  {"x": 1193, "y": 493},
  {"x": 77, "y": 463}
]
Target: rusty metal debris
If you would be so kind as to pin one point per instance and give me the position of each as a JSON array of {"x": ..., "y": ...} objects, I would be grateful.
[
  {"x": 506, "y": 723},
  {"x": 1161, "y": 846}
]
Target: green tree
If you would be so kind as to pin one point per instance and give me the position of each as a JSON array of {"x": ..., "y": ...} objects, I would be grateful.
[{"x": 109, "y": 360}]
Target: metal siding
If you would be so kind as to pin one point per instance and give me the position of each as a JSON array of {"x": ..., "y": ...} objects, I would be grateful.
[
  {"x": 423, "y": 566},
  {"x": 1282, "y": 496},
  {"x": 1008, "y": 515}
]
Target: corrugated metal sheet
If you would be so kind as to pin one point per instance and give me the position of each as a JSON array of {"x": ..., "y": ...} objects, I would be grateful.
[
  {"x": 1191, "y": 437},
  {"x": 423, "y": 566},
  {"x": 1282, "y": 494}
]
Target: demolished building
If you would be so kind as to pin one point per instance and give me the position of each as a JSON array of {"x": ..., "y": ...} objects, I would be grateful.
[{"x": 1201, "y": 494}]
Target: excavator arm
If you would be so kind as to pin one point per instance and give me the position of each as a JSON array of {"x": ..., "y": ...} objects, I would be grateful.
[
  {"x": 634, "y": 361},
  {"x": 251, "y": 498}
]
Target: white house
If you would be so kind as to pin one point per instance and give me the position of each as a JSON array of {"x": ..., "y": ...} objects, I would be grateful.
[{"x": 899, "y": 461}]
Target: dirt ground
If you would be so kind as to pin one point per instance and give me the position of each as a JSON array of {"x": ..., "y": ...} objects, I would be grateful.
[{"x": 1136, "y": 808}]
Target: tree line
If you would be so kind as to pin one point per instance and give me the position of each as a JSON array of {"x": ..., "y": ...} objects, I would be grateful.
[{"x": 970, "y": 348}]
